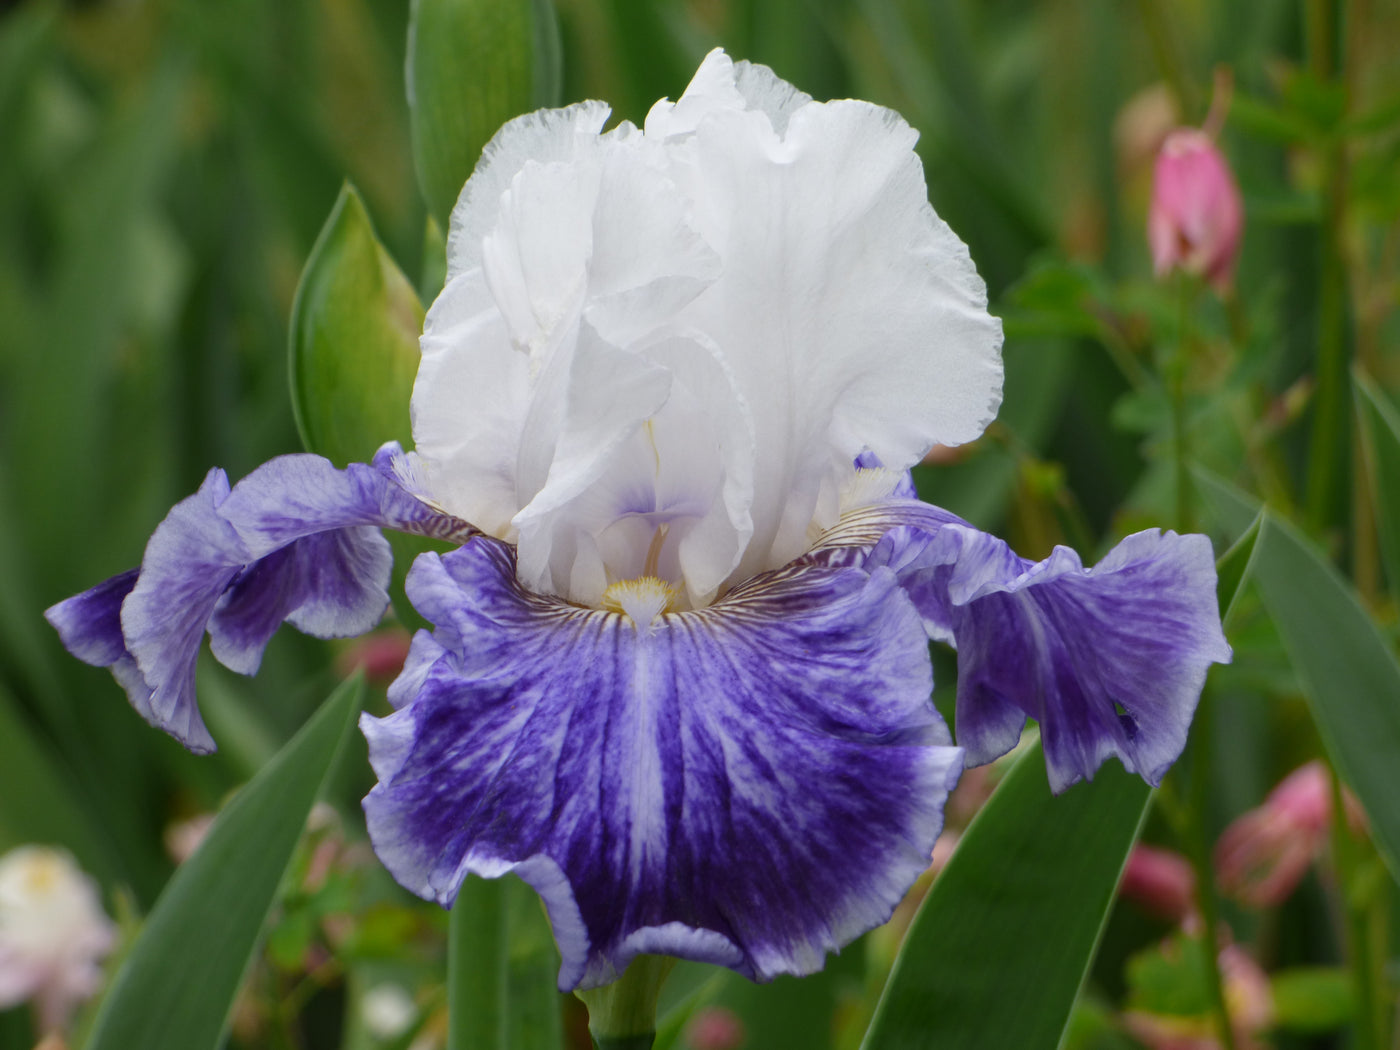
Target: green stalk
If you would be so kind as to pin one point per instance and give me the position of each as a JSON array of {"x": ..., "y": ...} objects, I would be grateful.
[
  {"x": 1328, "y": 453},
  {"x": 477, "y": 968},
  {"x": 622, "y": 1015},
  {"x": 1367, "y": 979},
  {"x": 1177, "y": 369},
  {"x": 1168, "y": 60},
  {"x": 1319, "y": 17},
  {"x": 1330, "y": 434},
  {"x": 624, "y": 1042},
  {"x": 1198, "y": 849}
]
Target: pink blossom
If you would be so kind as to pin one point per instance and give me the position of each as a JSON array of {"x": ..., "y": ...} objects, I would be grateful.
[
  {"x": 1263, "y": 855},
  {"x": 1196, "y": 217},
  {"x": 1160, "y": 881},
  {"x": 381, "y": 654},
  {"x": 53, "y": 933},
  {"x": 183, "y": 837},
  {"x": 715, "y": 1028}
]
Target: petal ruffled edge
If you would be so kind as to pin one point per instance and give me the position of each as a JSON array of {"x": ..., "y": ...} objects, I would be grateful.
[
  {"x": 297, "y": 540},
  {"x": 658, "y": 811},
  {"x": 1110, "y": 660}
]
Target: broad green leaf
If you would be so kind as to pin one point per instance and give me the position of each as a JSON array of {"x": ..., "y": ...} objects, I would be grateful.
[
  {"x": 472, "y": 66},
  {"x": 1234, "y": 567},
  {"x": 353, "y": 347},
  {"x": 1380, "y": 443},
  {"x": 177, "y": 987},
  {"x": 1234, "y": 510},
  {"x": 1344, "y": 664},
  {"x": 1345, "y": 667},
  {"x": 1001, "y": 946},
  {"x": 502, "y": 969}
]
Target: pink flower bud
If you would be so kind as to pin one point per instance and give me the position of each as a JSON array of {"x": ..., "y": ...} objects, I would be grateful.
[
  {"x": 380, "y": 654},
  {"x": 1249, "y": 999},
  {"x": 1160, "y": 881},
  {"x": 1262, "y": 856},
  {"x": 715, "y": 1028},
  {"x": 1196, "y": 217}
]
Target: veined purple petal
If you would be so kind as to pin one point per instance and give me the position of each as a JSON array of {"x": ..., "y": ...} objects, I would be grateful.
[
  {"x": 190, "y": 559},
  {"x": 752, "y": 784},
  {"x": 1109, "y": 660},
  {"x": 295, "y": 540},
  {"x": 90, "y": 627},
  {"x": 90, "y": 624}
]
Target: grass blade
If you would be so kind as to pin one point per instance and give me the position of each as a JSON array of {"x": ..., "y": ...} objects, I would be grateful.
[
  {"x": 177, "y": 987},
  {"x": 997, "y": 953}
]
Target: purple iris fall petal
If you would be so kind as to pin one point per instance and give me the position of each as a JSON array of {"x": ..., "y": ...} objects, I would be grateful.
[
  {"x": 1110, "y": 660},
  {"x": 752, "y": 784},
  {"x": 90, "y": 624},
  {"x": 296, "y": 540}
]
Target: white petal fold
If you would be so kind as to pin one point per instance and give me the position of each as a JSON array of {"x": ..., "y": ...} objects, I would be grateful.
[{"x": 663, "y": 349}]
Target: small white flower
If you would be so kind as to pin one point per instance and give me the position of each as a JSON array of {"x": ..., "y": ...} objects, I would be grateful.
[
  {"x": 53, "y": 933},
  {"x": 387, "y": 1011}
]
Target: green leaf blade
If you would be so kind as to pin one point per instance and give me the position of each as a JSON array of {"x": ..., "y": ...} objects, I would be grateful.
[
  {"x": 1348, "y": 673},
  {"x": 1380, "y": 444},
  {"x": 1345, "y": 666},
  {"x": 177, "y": 988},
  {"x": 502, "y": 969},
  {"x": 999, "y": 950},
  {"x": 1234, "y": 567}
]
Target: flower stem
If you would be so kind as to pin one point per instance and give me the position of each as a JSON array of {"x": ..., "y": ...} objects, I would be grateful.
[
  {"x": 622, "y": 1015},
  {"x": 1357, "y": 907},
  {"x": 1176, "y": 370},
  {"x": 477, "y": 972},
  {"x": 626, "y": 1042},
  {"x": 1329, "y": 449},
  {"x": 1198, "y": 848},
  {"x": 1168, "y": 60}
]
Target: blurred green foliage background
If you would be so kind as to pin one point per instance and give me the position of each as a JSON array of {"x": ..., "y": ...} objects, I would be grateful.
[{"x": 166, "y": 166}]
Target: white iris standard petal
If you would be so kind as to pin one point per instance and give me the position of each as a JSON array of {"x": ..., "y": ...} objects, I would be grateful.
[{"x": 665, "y": 348}]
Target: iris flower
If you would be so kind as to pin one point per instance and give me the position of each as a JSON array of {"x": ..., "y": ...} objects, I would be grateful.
[{"x": 678, "y": 678}]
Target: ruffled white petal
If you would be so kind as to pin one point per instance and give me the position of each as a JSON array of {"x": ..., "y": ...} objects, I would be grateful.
[
  {"x": 543, "y": 136},
  {"x": 665, "y": 349}
]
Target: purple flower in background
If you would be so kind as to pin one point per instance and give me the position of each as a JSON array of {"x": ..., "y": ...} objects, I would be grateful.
[{"x": 679, "y": 678}]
